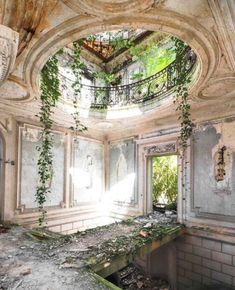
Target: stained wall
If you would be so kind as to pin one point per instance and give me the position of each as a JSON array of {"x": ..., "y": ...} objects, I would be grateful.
[{"x": 213, "y": 171}]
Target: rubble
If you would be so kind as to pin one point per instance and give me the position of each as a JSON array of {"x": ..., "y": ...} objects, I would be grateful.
[
  {"x": 132, "y": 278},
  {"x": 30, "y": 258}
]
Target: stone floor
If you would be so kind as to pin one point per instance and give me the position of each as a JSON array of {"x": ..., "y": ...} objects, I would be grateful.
[{"x": 42, "y": 260}]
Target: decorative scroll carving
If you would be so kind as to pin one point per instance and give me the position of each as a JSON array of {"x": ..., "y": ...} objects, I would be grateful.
[
  {"x": 161, "y": 148},
  {"x": 8, "y": 50}
]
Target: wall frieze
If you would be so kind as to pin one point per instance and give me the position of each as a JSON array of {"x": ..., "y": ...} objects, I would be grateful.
[{"x": 161, "y": 149}]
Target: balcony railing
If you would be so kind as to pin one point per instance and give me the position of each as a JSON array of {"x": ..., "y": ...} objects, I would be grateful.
[{"x": 154, "y": 87}]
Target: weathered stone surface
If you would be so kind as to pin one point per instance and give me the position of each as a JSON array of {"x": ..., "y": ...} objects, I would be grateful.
[{"x": 8, "y": 50}]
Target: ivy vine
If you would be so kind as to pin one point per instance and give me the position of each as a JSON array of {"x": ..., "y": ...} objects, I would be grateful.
[
  {"x": 76, "y": 66},
  {"x": 50, "y": 94},
  {"x": 181, "y": 98}
]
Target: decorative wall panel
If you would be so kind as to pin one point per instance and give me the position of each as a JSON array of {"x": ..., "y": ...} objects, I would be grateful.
[
  {"x": 30, "y": 139},
  {"x": 87, "y": 173},
  {"x": 214, "y": 171},
  {"x": 122, "y": 173}
]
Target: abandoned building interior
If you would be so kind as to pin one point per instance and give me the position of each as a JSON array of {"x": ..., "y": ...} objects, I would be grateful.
[{"x": 117, "y": 144}]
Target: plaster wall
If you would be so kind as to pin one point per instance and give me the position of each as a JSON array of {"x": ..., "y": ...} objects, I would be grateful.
[
  {"x": 123, "y": 177},
  {"x": 212, "y": 198},
  {"x": 122, "y": 174},
  {"x": 87, "y": 173},
  {"x": 91, "y": 187},
  {"x": 29, "y": 173},
  {"x": 8, "y": 185},
  {"x": 76, "y": 187}
]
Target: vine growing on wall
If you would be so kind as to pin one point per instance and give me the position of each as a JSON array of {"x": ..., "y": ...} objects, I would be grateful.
[
  {"x": 181, "y": 99},
  {"x": 49, "y": 96},
  {"x": 50, "y": 93},
  {"x": 76, "y": 66}
]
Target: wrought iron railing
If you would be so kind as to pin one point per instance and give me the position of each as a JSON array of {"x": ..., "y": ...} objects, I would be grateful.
[{"x": 153, "y": 87}]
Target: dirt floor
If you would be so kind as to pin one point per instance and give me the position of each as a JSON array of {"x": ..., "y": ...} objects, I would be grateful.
[{"x": 42, "y": 260}]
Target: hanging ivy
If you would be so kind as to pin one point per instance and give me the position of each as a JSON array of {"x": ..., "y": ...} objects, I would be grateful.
[
  {"x": 181, "y": 99},
  {"x": 76, "y": 65},
  {"x": 50, "y": 93},
  {"x": 49, "y": 96}
]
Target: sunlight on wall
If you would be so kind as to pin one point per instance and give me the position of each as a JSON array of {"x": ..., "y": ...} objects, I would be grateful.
[
  {"x": 80, "y": 178},
  {"x": 123, "y": 113},
  {"x": 123, "y": 190},
  {"x": 119, "y": 192}
]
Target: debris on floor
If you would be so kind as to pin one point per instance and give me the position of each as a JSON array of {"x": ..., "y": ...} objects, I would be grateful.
[
  {"x": 132, "y": 278},
  {"x": 38, "y": 259},
  {"x": 4, "y": 229}
]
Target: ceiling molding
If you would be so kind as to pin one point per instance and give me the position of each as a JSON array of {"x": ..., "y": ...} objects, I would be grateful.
[
  {"x": 224, "y": 15},
  {"x": 198, "y": 37},
  {"x": 103, "y": 7}
]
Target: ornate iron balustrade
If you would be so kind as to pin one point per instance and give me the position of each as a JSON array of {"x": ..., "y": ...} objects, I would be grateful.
[{"x": 153, "y": 87}]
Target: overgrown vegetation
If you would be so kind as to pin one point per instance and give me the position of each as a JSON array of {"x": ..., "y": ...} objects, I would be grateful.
[
  {"x": 181, "y": 99},
  {"x": 107, "y": 78},
  {"x": 153, "y": 56},
  {"x": 164, "y": 179},
  {"x": 129, "y": 244},
  {"x": 76, "y": 66},
  {"x": 50, "y": 94},
  {"x": 120, "y": 43}
]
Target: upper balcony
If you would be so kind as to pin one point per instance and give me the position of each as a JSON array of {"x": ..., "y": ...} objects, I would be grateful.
[{"x": 133, "y": 88}]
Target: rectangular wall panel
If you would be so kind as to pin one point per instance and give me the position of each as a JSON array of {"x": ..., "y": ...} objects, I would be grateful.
[
  {"x": 122, "y": 174},
  {"x": 87, "y": 173},
  {"x": 30, "y": 140},
  {"x": 214, "y": 171}
]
